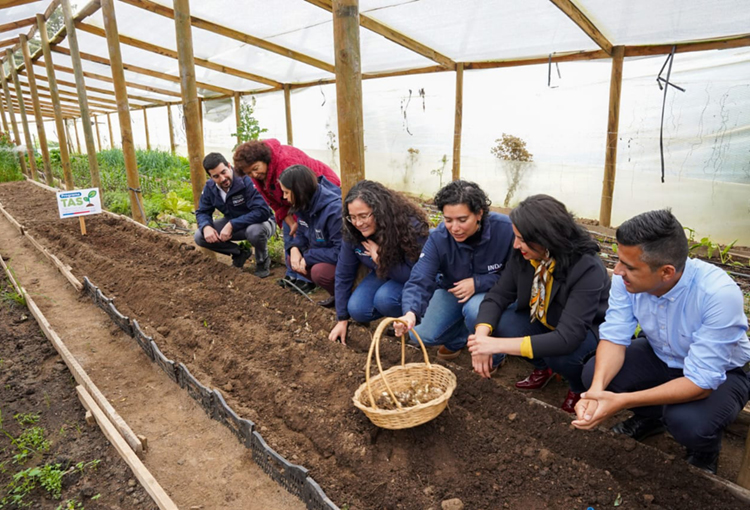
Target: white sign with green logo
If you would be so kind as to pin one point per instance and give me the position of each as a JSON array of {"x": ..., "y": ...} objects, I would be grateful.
[{"x": 80, "y": 202}]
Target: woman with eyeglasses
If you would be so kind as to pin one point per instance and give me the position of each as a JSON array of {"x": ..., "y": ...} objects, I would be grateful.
[
  {"x": 263, "y": 161},
  {"x": 461, "y": 260},
  {"x": 384, "y": 231},
  {"x": 314, "y": 249},
  {"x": 549, "y": 301}
]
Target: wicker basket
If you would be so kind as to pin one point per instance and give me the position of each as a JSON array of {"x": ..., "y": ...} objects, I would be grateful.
[{"x": 399, "y": 378}]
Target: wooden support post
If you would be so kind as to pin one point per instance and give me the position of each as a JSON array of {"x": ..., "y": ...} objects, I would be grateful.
[
  {"x": 75, "y": 131},
  {"x": 83, "y": 103},
  {"x": 22, "y": 111},
  {"x": 39, "y": 120},
  {"x": 145, "y": 125},
  {"x": 458, "y": 121},
  {"x": 123, "y": 111},
  {"x": 82, "y": 223},
  {"x": 98, "y": 137},
  {"x": 54, "y": 94},
  {"x": 191, "y": 106},
  {"x": 349, "y": 92},
  {"x": 12, "y": 115},
  {"x": 111, "y": 136},
  {"x": 237, "y": 116},
  {"x": 613, "y": 123},
  {"x": 200, "y": 118},
  {"x": 288, "y": 112},
  {"x": 5, "y": 121},
  {"x": 171, "y": 129}
]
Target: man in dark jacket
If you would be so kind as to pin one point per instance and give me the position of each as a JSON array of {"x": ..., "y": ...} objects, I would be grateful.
[{"x": 246, "y": 216}]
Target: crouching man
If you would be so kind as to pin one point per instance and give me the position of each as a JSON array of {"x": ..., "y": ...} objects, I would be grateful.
[
  {"x": 246, "y": 216},
  {"x": 683, "y": 373}
]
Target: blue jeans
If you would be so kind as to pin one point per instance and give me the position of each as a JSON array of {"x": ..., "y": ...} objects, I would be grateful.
[
  {"x": 375, "y": 298},
  {"x": 697, "y": 425},
  {"x": 448, "y": 322},
  {"x": 517, "y": 324},
  {"x": 287, "y": 241}
]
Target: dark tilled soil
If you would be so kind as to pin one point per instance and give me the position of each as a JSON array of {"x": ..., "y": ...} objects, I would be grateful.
[
  {"x": 36, "y": 381},
  {"x": 267, "y": 350}
]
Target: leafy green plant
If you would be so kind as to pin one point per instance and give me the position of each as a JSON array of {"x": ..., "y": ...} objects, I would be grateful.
[
  {"x": 10, "y": 168},
  {"x": 712, "y": 247},
  {"x": 439, "y": 171},
  {"x": 30, "y": 441},
  {"x": 26, "y": 419},
  {"x": 249, "y": 127}
]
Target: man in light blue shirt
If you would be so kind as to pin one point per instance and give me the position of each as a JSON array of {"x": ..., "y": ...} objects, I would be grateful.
[{"x": 684, "y": 372}]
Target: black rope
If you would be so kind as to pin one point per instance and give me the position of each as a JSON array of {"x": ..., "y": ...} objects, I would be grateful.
[
  {"x": 549, "y": 72},
  {"x": 659, "y": 80},
  {"x": 138, "y": 191}
]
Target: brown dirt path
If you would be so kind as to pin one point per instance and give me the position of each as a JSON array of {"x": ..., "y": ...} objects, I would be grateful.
[{"x": 196, "y": 459}]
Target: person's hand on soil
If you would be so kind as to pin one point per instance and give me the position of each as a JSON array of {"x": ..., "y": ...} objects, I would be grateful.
[
  {"x": 338, "y": 332},
  {"x": 210, "y": 234},
  {"x": 400, "y": 328},
  {"x": 463, "y": 289},
  {"x": 371, "y": 249},
  {"x": 289, "y": 220},
  {"x": 482, "y": 364},
  {"x": 595, "y": 407},
  {"x": 226, "y": 232}
]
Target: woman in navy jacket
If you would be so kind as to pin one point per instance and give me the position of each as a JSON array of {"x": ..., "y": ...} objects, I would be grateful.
[
  {"x": 549, "y": 301},
  {"x": 460, "y": 262},
  {"x": 384, "y": 232},
  {"x": 316, "y": 244}
]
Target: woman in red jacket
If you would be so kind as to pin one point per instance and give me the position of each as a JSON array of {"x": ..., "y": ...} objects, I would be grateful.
[{"x": 264, "y": 161}]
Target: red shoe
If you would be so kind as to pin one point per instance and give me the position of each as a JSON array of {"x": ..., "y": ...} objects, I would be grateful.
[
  {"x": 569, "y": 406},
  {"x": 537, "y": 380}
]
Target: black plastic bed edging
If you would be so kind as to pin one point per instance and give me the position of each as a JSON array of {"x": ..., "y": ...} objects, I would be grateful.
[{"x": 294, "y": 478}]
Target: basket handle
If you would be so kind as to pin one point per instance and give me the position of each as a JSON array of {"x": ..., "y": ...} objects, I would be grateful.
[{"x": 375, "y": 346}]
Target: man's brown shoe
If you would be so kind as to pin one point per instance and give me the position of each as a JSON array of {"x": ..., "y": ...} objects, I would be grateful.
[{"x": 446, "y": 354}]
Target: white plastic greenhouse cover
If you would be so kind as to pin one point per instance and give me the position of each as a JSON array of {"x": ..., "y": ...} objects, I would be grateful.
[{"x": 559, "y": 110}]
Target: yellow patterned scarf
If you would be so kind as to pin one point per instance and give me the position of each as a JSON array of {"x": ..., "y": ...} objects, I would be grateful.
[{"x": 541, "y": 287}]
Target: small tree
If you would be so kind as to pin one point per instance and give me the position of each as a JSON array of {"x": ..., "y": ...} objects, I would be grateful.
[
  {"x": 249, "y": 128},
  {"x": 512, "y": 149}
]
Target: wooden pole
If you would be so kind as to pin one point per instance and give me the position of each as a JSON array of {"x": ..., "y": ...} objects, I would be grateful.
[
  {"x": 349, "y": 92},
  {"x": 78, "y": 140},
  {"x": 67, "y": 134},
  {"x": 39, "y": 120},
  {"x": 123, "y": 111},
  {"x": 237, "y": 117},
  {"x": 200, "y": 117},
  {"x": 171, "y": 129},
  {"x": 111, "y": 137},
  {"x": 145, "y": 126},
  {"x": 5, "y": 121},
  {"x": 59, "y": 121},
  {"x": 191, "y": 106},
  {"x": 12, "y": 115},
  {"x": 613, "y": 122},
  {"x": 458, "y": 121},
  {"x": 22, "y": 111},
  {"x": 98, "y": 137},
  {"x": 83, "y": 103},
  {"x": 288, "y": 112}
]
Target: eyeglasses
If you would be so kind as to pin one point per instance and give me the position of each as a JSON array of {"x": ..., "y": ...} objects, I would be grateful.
[{"x": 360, "y": 218}]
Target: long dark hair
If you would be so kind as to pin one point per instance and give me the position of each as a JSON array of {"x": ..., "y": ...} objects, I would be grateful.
[
  {"x": 400, "y": 223},
  {"x": 545, "y": 221},
  {"x": 302, "y": 182}
]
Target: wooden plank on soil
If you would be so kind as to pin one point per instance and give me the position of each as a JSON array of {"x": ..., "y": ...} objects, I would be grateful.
[
  {"x": 12, "y": 220},
  {"x": 75, "y": 368},
  {"x": 160, "y": 497}
]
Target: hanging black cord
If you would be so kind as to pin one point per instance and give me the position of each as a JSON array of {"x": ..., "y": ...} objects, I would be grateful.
[{"x": 659, "y": 80}]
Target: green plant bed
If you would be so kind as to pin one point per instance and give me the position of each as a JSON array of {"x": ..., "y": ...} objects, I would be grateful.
[{"x": 10, "y": 169}]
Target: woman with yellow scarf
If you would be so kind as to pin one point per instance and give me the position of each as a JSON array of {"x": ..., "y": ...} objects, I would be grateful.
[{"x": 549, "y": 300}]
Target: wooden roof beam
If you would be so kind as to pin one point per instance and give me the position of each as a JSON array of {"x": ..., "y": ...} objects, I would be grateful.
[
  {"x": 67, "y": 99},
  {"x": 394, "y": 36},
  {"x": 4, "y": 4},
  {"x": 585, "y": 24},
  {"x": 142, "y": 70},
  {"x": 725, "y": 43},
  {"x": 14, "y": 25},
  {"x": 153, "y": 48},
  {"x": 234, "y": 34},
  {"x": 9, "y": 42}
]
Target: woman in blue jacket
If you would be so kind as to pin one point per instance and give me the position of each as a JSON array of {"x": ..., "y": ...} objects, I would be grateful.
[
  {"x": 384, "y": 232},
  {"x": 549, "y": 301},
  {"x": 315, "y": 248},
  {"x": 460, "y": 262}
]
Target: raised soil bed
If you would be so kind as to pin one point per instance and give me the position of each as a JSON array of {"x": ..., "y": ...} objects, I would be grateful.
[{"x": 267, "y": 350}]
